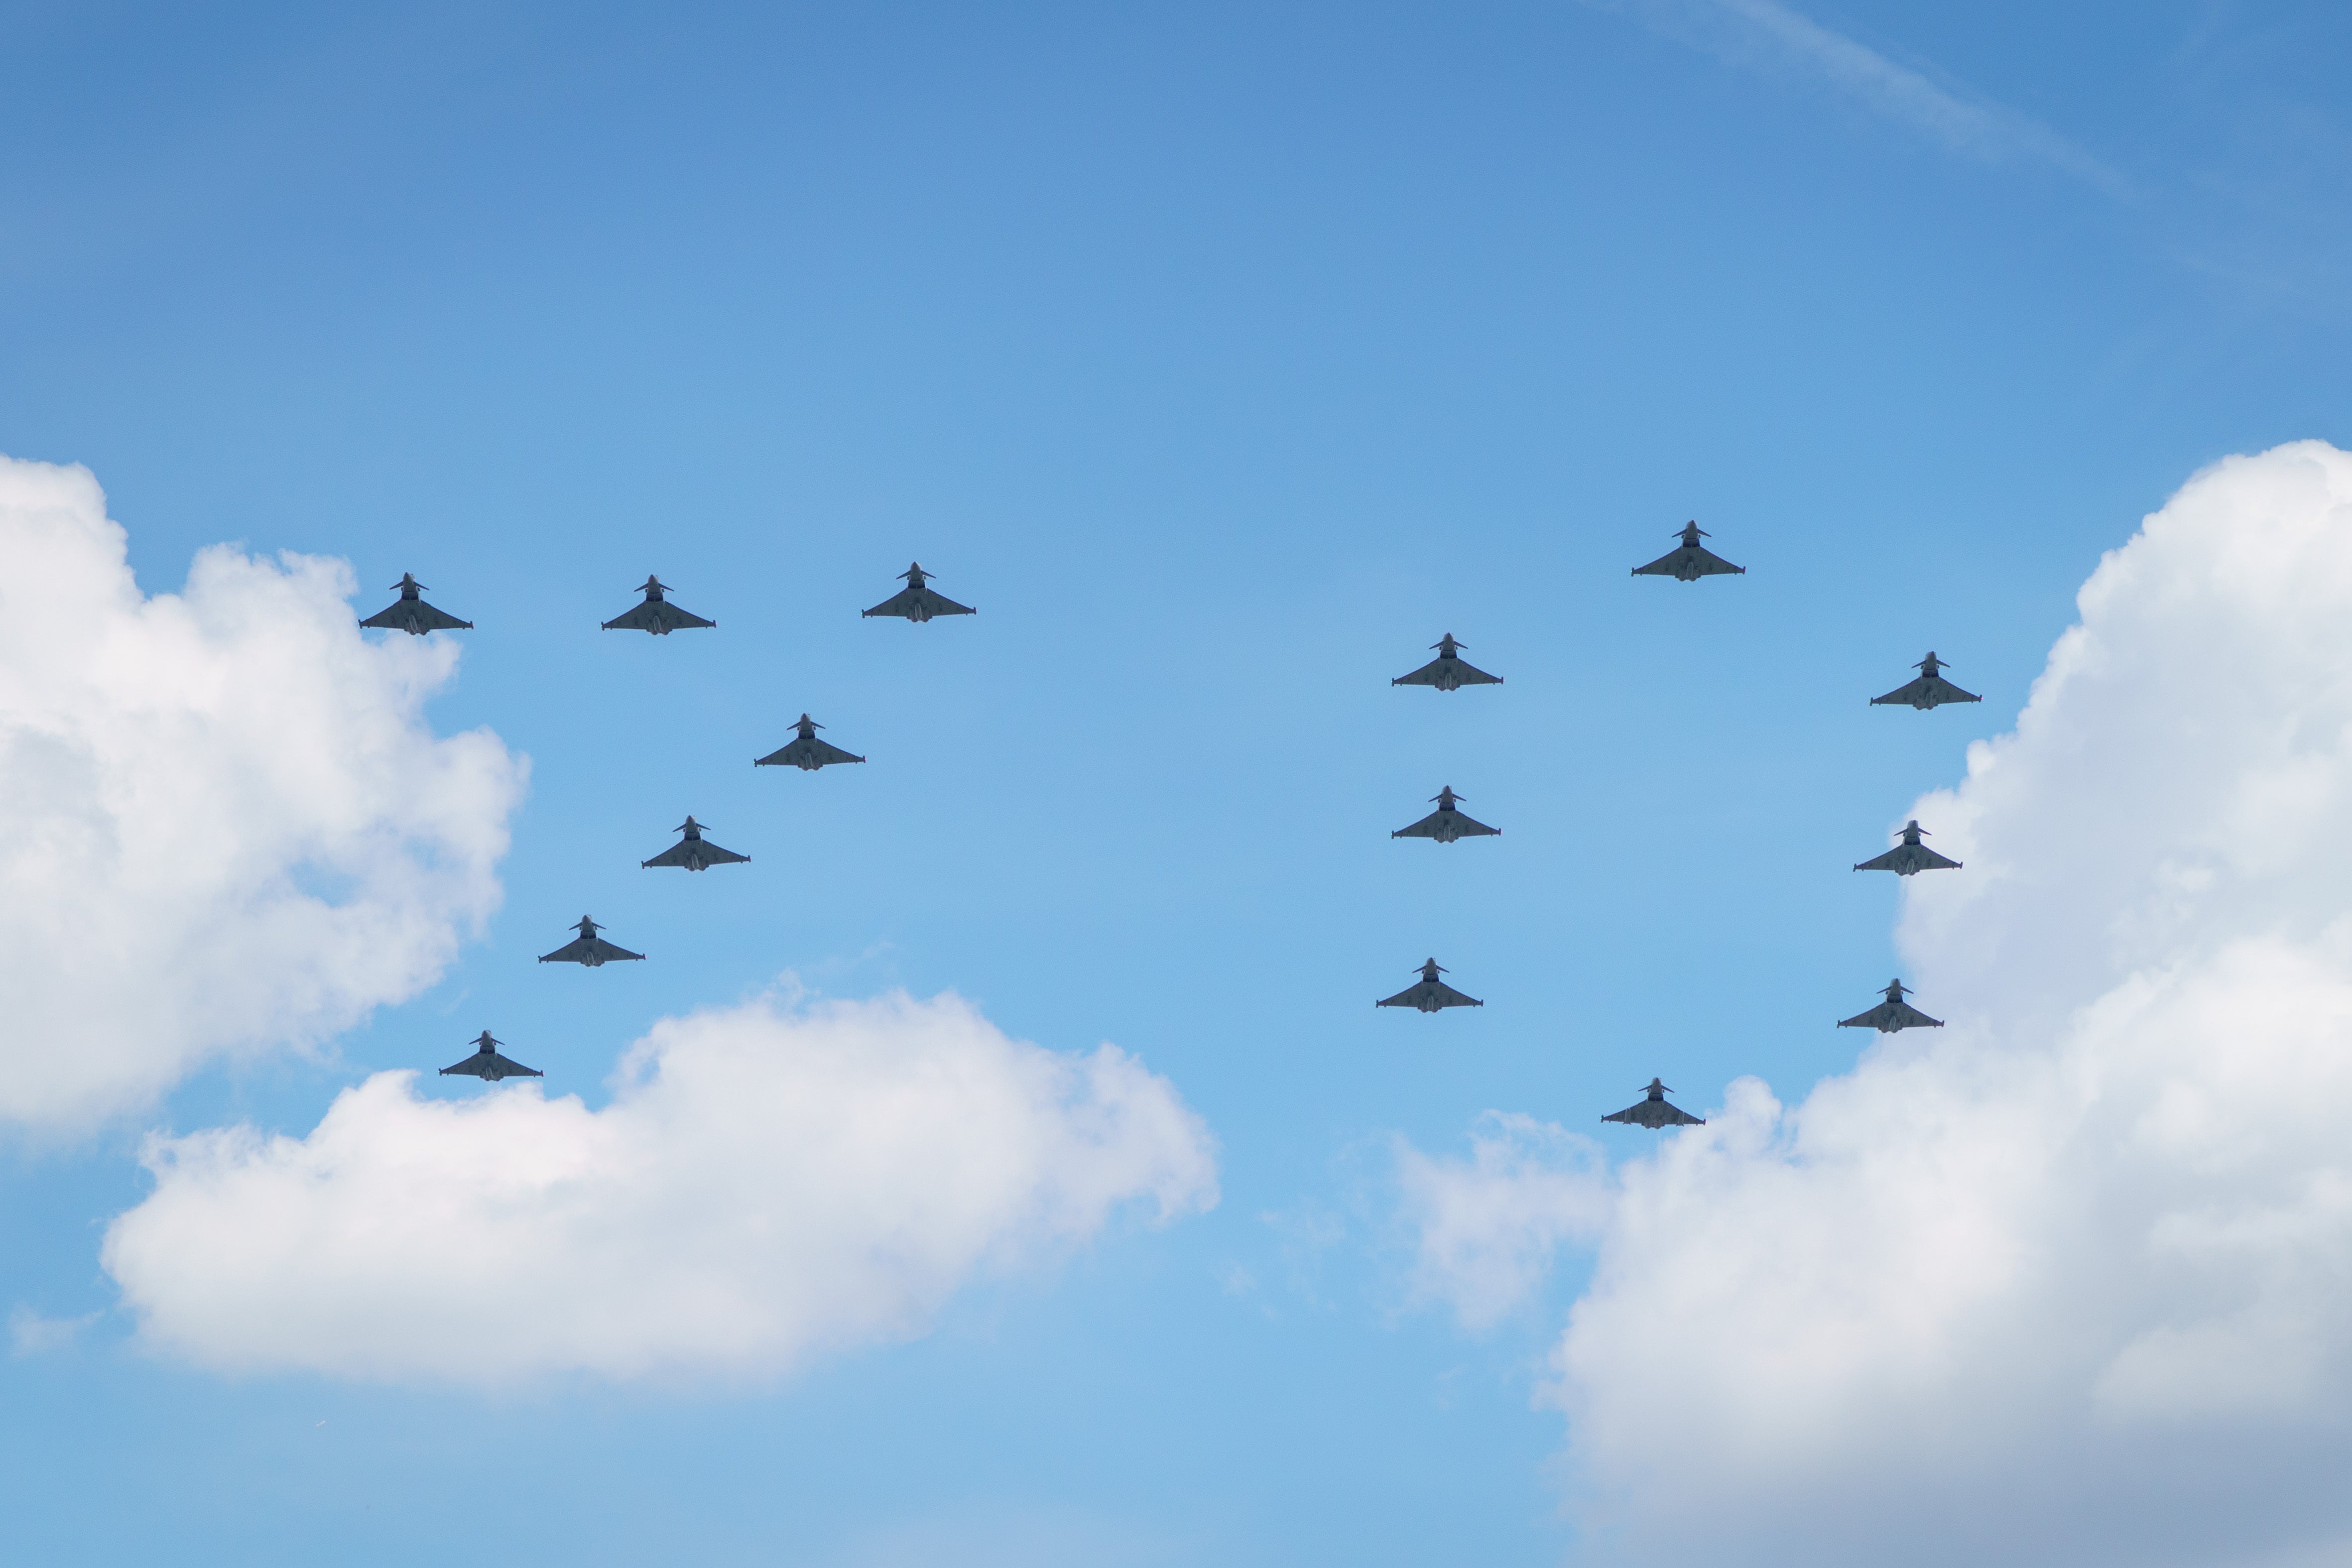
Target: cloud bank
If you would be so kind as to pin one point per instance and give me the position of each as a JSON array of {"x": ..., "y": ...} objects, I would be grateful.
[
  {"x": 2069, "y": 1281},
  {"x": 228, "y": 827},
  {"x": 1487, "y": 1228},
  {"x": 767, "y": 1183}
]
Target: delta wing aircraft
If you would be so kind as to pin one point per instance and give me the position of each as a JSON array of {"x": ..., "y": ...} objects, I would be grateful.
[
  {"x": 589, "y": 949},
  {"x": 1654, "y": 1112},
  {"x": 1445, "y": 825},
  {"x": 1892, "y": 1014},
  {"x": 1928, "y": 690},
  {"x": 1909, "y": 856},
  {"x": 1690, "y": 560},
  {"x": 1430, "y": 994},
  {"x": 1448, "y": 672},
  {"x": 411, "y": 614},
  {"x": 806, "y": 752},
  {"x": 916, "y": 602},
  {"x": 485, "y": 1062},
  {"x": 657, "y": 614},
  {"x": 694, "y": 852}
]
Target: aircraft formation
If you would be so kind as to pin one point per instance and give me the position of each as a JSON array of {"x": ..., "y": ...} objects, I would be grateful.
[
  {"x": 919, "y": 603},
  {"x": 657, "y": 615},
  {"x": 1688, "y": 561}
]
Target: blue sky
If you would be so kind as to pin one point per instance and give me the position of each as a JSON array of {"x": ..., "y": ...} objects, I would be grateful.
[{"x": 1223, "y": 359}]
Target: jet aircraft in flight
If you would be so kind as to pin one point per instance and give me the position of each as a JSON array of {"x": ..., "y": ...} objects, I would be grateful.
[
  {"x": 1654, "y": 1112},
  {"x": 485, "y": 1062},
  {"x": 411, "y": 614},
  {"x": 916, "y": 602},
  {"x": 1892, "y": 1014},
  {"x": 1690, "y": 560},
  {"x": 1430, "y": 994},
  {"x": 807, "y": 752},
  {"x": 1929, "y": 689},
  {"x": 1448, "y": 672},
  {"x": 1910, "y": 855},
  {"x": 589, "y": 949},
  {"x": 694, "y": 852},
  {"x": 657, "y": 614},
  {"x": 1445, "y": 825}
]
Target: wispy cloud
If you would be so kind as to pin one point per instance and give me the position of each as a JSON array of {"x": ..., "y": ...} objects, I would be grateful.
[
  {"x": 30, "y": 1334},
  {"x": 1765, "y": 36}
]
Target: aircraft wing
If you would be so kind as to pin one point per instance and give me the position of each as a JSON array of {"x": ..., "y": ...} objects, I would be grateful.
[
  {"x": 676, "y": 619},
  {"x": 434, "y": 620},
  {"x": 611, "y": 952},
  {"x": 920, "y": 604},
  {"x": 713, "y": 855},
  {"x": 809, "y": 753},
  {"x": 572, "y": 952},
  {"x": 1437, "y": 672},
  {"x": 674, "y": 855},
  {"x": 656, "y": 616},
  {"x": 1655, "y": 1113},
  {"x": 1707, "y": 563},
  {"x": 1424, "y": 829},
  {"x": 1664, "y": 566},
  {"x": 1928, "y": 860},
  {"x": 493, "y": 1066},
  {"x": 1904, "y": 695},
  {"x": 1888, "y": 1017},
  {"x": 1940, "y": 690},
  {"x": 389, "y": 620},
  {"x": 1688, "y": 561},
  {"x": 1893, "y": 859}
]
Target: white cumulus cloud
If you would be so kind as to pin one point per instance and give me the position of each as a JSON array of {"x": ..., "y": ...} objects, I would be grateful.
[
  {"x": 769, "y": 1182},
  {"x": 2069, "y": 1281},
  {"x": 228, "y": 826},
  {"x": 1488, "y": 1226}
]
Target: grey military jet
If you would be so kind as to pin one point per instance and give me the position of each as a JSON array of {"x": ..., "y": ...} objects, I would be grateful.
[
  {"x": 485, "y": 1062},
  {"x": 1431, "y": 994},
  {"x": 1448, "y": 672},
  {"x": 916, "y": 602},
  {"x": 657, "y": 614},
  {"x": 1690, "y": 560},
  {"x": 807, "y": 752},
  {"x": 1928, "y": 690},
  {"x": 1653, "y": 1111},
  {"x": 1910, "y": 855},
  {"x": 1892, "y": 1014},
  {"x": 589, "y": 949},
  {"x": 1445, "y": 825},
  {"x": 411, "y": 614},
  {"x": 694, "y": 852}
]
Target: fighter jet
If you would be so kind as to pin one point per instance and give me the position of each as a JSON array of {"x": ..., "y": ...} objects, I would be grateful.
[
  {"x": 411, "y": 614},
  {"x": 916, "y": 602},
  {"x": 1690, "y": 560},
  {"x": 589, "y": 949},
  {"x": 657, "y": 614},
  {"x": 1431, "y": 994},
  {"x": 1655, "y": 1112},
  {"x": 807, "y": 752},
  {"x": 1929, "y": 689},
  {"x": 1892, "y": 1014},
  {"x": 1445, "y": 825},
  {"x": 485, "y": 1062},
  {"x": 1910, "y": 855},
  {"x": 694, "y": 852},
  {"x": 1446, "y": 672}
]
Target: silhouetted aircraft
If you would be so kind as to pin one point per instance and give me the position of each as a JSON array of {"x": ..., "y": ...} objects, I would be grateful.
[
  {"x": 1929, "y": 689},
  {"x": 694, "y": 852},
  {"x": 411, "y": 614},
  {"x": 657, "y": 614},
  {"x": 1652, "y": 1110},
  {"x": 916, "y": 602},
  {"x": 1910, "y": 855},
  {"x": 806, "y": 752},
  {"x": 1430, "y": 994},
  {"x": 1892, "y": 1014},
  {"x": 1446, "y": 672},
  {"x": 589, "y": 949},
  {"x": 1688, "y": 561},
  {"x": 485, "y": 1062},
  {"x": 1445, "y": 825}
]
